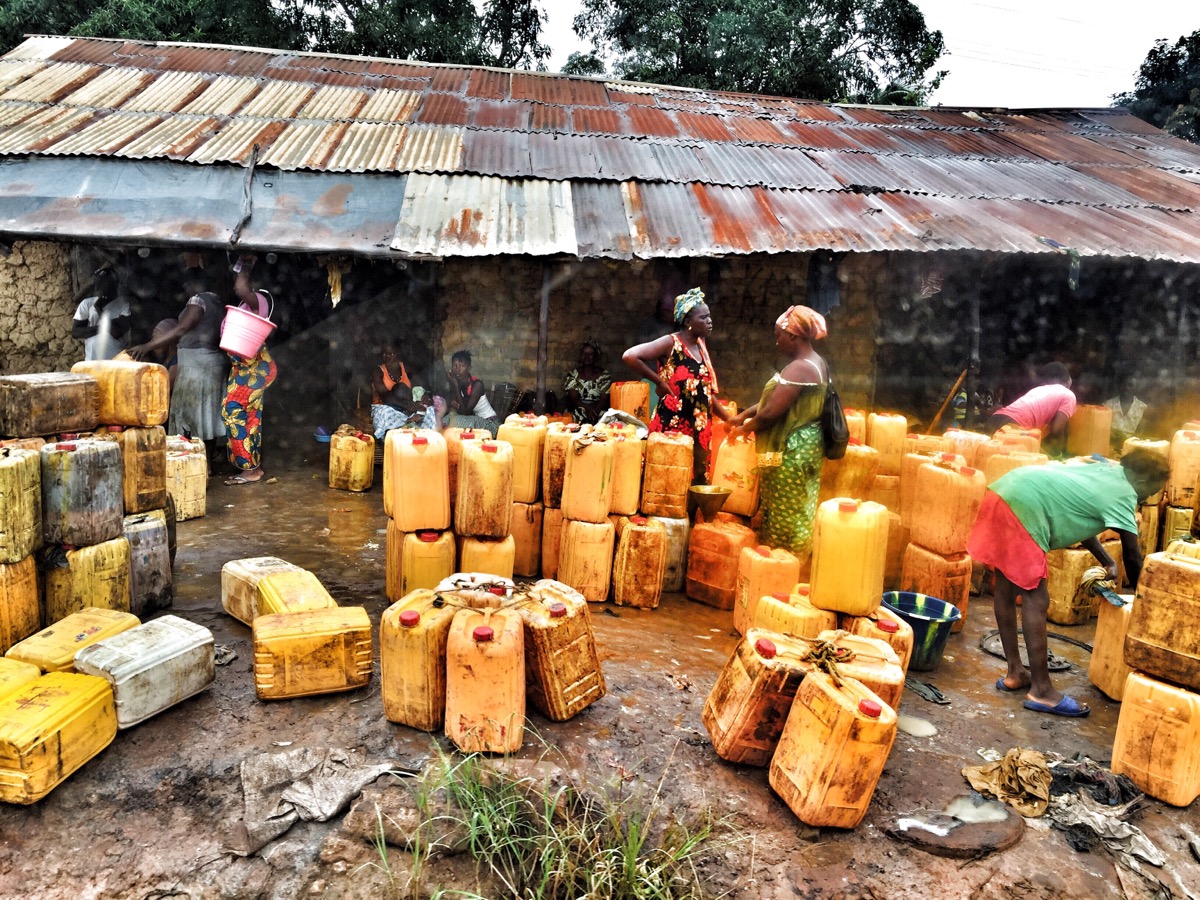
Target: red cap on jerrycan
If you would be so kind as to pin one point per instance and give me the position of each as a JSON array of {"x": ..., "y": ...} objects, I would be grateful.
[
  {"x": 482, "y": 634},
  {"x": 638, "y": 520},
  {"x": 409, "y": 618},
  {"x": 419, "y": 440},
  {"x": 489, "y": 447},
  {"x": 870, "y": 708},
  {"x": 467, "y": 436},
  {"x": 498, "y": 590},
  {"x": 887, "y": 626},
  {"x": 763, "y": 550},
  {"x": 427, "y": 537},
  {"x": 847, "y": 506},
  {"x": 558, "y": 610},
  {"x": 968, "y": 471},
  {"x": 765, "y": 648},
  {"x": 782, "y": 596},
  {"x": 948, "y": 457}
]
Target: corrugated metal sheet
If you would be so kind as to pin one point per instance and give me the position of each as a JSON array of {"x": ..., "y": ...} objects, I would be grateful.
[{"x": 696, "y": 172}]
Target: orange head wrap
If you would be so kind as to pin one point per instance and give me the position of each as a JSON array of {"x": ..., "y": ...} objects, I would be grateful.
[{"x": 804, "y": 322}]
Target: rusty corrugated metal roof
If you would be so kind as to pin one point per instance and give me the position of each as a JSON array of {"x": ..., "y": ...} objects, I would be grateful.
[{"x": 549, "y": 164}]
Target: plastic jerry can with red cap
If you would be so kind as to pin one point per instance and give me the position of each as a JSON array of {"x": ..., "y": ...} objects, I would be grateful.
[
  {"x": 947, "y": 577},
  {"x": 487, "y": 556},
  {"x": 632, "y": 397},
  {"x": 485, "y": 681},
  {"x": 96, "y": 576},
  {"x": 412, "y": 659},
  {"x": 527, "y": 536},
  {"x": 20, "y": 504},
  {"x": 668, "y": 475},
  {"x": 20, "y": 609},
  {"x": 485, "y": 489},
  {"x": 945, "y": 505},
  {"x": 745, "y": 711},
  {"x": 640, "y": 563},
  {"x": 552, "y": 522},
  {"x": 856, "y": 424},
  {"x": 714, "y": 550},
  {"x": 476, "y": 590},
  {"x": 882, "y": 625},
  {"x": 426, "y": 557},
  {"x": 588, "y": 480},
  {"x": 351, "y": 461},
  {"x": 311, "y": 651},
  {"x": 761, "y": 571},
  {"x": 454, "y": 440},
  {"x": 585, "y": 557},
  {"x": 886, "y": 433},
  {"x": 416, "y": 473},
  {"x": 964, "y": 443},
  {"x": 910, "y": 468},
  {"x": 527, "y": 435},
  {"x": 832, "y": 751},
  {"x": 791, "y": 613},
  {"x": 849, "y": 552},
  {"x": 870, "y": 661},
  {"x": 1157, "y": 743},
  {"x": 852, "y": 475},
  {"x": 554, "y": 459},
  {"x": 736, "y": 468},
  {"x": 239, "y": 583},
  {"x": 562, "y": 667},
  {"x": 629, "y": 458},
  {"x": 82, "y": 492}
]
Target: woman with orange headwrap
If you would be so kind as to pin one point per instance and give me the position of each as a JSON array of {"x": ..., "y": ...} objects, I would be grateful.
[{"x": 787, "y": 424}]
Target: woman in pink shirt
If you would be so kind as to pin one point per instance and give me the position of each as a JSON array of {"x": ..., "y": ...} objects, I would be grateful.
[{"x": 1046, "y": 407}]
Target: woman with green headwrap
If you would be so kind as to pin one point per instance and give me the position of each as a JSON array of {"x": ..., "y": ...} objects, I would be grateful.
[
  {"x": 786, "y": 423},
  {"x": 679, "y": 365}
]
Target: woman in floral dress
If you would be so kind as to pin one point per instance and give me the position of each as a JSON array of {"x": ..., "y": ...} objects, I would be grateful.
[
  {"x": 686, "y": 380},
  {"x": 249, "y": 378}
]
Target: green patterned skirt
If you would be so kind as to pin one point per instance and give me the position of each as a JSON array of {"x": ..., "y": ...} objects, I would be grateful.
[{"x": 789, "y": 493}]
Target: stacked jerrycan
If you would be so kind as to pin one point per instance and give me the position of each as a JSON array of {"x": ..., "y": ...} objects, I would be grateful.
[
  {"x": 886, "y": 433},
  {"x": 416, "y": 499},
  {"x": 1157, "y": 741},
  {"x": 187, "y": 477},
  {"x": 1089, "y": 430},
  {"x": 668, "y": 475},
  {"x": 351, "y": 459},
  {"x": 527, "y": 434},
  {"x": 587, "y": 536},
  {"x": 554, "y": 469},
  {"x": 483, "y": 512},
  {"x": 1183, "y": 461},
  {"x": 1150, "y": 520}
]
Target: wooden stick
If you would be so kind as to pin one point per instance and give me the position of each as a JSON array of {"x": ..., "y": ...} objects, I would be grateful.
[{"x": 949, "y": 397}]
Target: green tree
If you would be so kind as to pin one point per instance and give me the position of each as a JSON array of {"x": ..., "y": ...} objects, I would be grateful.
[
  {"x": 1167, "y": 90},
  {"x": 833, "y": 50},
  {"x": 503, "y": 33}
]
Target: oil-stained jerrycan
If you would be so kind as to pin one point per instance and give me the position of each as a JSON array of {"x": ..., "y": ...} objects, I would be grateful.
[
  {"x": 873, "y": 663},
  {"x": 351, "y": 461},
  {"x": 832, "y": 751},
  {"x": 14, "y": 673},
  {"x": 151, "y": 667},
  {"x": 527, "y": 536},
  {"x": 130, "y": 393},
  {"x": 82, "y": 492},
  {"x": 95, "y": 576},
  {"x": 792, "y": 614},
  {"x": 312, "y": 651},
  {"x": 476, "y": 590},
  {"x": 53, "y": 648},
  {"x": 49, "y": 728},
  {"x": 640, "y": 564},
  {"x": 745, "y": 711},
  {"x": 882, "y": 625},
  {"x": 485, "y": 681},
  {"x": 151, "y": 583},
  {"x": 187, "y": 484},
  {"x": 20, "y": 607},
  {"x": 286, "y": 592},
  {"x": 562, "y": 667},
  {"x": 412, "y": 659},
  {"x": 239, "y": 584},
  {"x": 20, "y": 504},
  {"x": 585, "y": 557},
  {"x": 761, "y": 570},
  {"x": 48, "y": 403},
  {"x": 485, "y": 489},
  {"x": 1157, "y": 742}
]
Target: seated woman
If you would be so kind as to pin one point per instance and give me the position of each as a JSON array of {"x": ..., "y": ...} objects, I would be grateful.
[
  {"x": 587, "y": 386},
  {"x": 469, "y": 405},
  {"x": 392, "y": 402}
]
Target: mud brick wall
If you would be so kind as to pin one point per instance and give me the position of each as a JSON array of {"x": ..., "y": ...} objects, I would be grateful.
[
  {"x": 36, "y": 307},
  {"x": 491, "y": 308}
]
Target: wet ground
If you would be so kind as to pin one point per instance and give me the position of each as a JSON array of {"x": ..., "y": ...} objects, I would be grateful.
[{"x": 148, "y": 816}]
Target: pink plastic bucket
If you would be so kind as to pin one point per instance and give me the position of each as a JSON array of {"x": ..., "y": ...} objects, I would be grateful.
[{"x": 243, "y": 333}]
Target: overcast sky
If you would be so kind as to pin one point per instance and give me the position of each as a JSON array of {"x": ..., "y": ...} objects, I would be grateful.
[{"x": 1016, "y": 53}]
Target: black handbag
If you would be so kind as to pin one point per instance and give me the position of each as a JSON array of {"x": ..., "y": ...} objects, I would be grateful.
[{"x": 833, "y": 425}]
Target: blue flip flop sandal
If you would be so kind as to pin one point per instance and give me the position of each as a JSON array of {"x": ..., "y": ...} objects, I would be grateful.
[
  {"x": 1001, "y": 686},
  {"x": 1067, "y": 706}
]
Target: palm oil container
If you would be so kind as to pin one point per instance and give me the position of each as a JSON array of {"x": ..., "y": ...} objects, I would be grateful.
[
  {"x": 736, "y": 468},
  {"x": 485, "y": 489},
  {"x": 640, "y": 563},
  {"x": 745, "y": 711},
  {"x": 856, "y": 424},
  {"x": 964, "y": 443},
  {"x": 311, "y": 651},
  {"x": 869, "y": 661},
  {"x": 82, "y": 499},
  {"x": 852, "y": 475},
  {"x": 1089, "y": 430},
  {"x": 485, "y": 681},
  {"x": 130, "y": 393},
  {"x": 910, "y": 467},
  {"x": 1025, "y": 440},
  {"x": 144, "y": 463},
  {"x": 562, "y": 667},
  {"x": 988, "y": 449},
  {"x": 632, "y": 397},
  {"x": 882, "y": 625},
  {"x": 187, "y": 483},
  {"x": 454, "y": 441},
  {"x": 849, "y": 552},
  {"x": 1000, "y": 464},
  {"x": 20, "y": 609},
  {"x": 527, "y": 535},
  {"x": 898, "y": 539},
  {"x": 417, "y": 472},
  {"x": 239, "y": 584},
  {"x": 928, "y": 444},
  {"x": 31, "y": 443},
  {"x": 679, "y": 532},
  {"x": 487, "y": 556},
  {"x": 629, "y": 458},
  {"x": 528, "y": 438},
  {"x": 886, "y": 433},
  {"x": 554, "y": 460},
  {"x": 53, "y": 648},
  {"x": 1184, "y": 461},
  {"x": 668, "y": 475},
  {"x": 351, "y": 461},
  {"x": 20, "y": 504},
  {"x": 1157, "y": 742},
  {"x": 1147, "y": 528},
  {"x": 944, "y": 576},
  {"x": 588, "y": 479},
  {"x": 14, "y": 673},
  {"x": 412, "y": 659},
  {"x": 714, "y": 552},
  {"x": 49, "y": 728},
  {"x": 832, "y": 751},
  {"x": 426, "y": 557},
  {"x": 393, "y": 550},
  {"x": 291, "y": 591},
  {"x": 151, "y": 582},
  {"x": 885, "y": 490},
  {"x": 552, "y": 522},
  {"x": 1107, "y": 668},
  {"x": 1176, "y": 523},
  {"x": 93, "y": 576},
  {"x": 48, "y": 403},
  {"x": 1068, "y": 604},
  {"x": 1163, "y": 640},
  {"x": 151, "y": 667},
  {"x": 945, "y": 505},
  {"x": 476, "y": 590},
  {"x": 585, "y": 557},
  {"x": 791, "y": 613},
  {"x": 761, "y": 570}
]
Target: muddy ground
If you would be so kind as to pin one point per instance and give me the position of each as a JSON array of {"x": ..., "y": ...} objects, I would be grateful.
[{"x": 148, "y": 817}]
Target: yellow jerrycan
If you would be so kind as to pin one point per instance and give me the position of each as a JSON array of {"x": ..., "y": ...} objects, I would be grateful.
[
  {"x": 311, "y": 651},
  {"x": 562, "y": 667},
  {"x": 761, "y": 571},
  {"x": 412, "y": 659},
  {"x": 485, "y": 681},
  {"x": 641, "y": 563}
]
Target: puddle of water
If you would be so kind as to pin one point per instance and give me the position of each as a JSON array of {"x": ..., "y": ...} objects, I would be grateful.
[{"x": 914, "y": 726}]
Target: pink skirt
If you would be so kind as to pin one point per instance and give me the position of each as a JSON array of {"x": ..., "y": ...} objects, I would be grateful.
[{"x": 1000, "y": 541}]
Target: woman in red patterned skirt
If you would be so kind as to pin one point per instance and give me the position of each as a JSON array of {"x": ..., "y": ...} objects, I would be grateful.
[{"x": 248, "y": 380}]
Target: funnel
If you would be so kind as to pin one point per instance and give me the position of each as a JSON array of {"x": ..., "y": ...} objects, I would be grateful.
[{"x": 708, "y": 499}]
